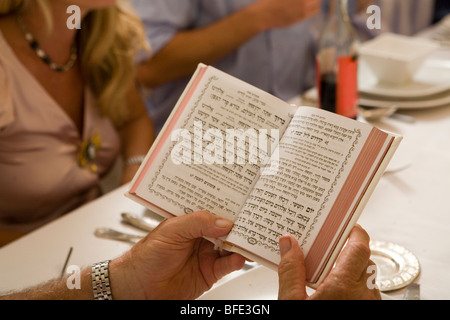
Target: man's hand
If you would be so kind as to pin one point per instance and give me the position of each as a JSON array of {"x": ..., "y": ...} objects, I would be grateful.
[
  {"x": 284, "y": 13},
  {"x": 348, "y": 279},
  {"x": 174, "y": 261}
]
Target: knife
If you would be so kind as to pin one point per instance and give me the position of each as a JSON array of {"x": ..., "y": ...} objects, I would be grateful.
[{"x": 412, "y": 292}]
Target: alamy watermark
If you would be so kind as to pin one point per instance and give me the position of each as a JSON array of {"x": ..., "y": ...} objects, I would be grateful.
[
  {"x": 372, "y": 279},
  {"x": 237, "y": 147},
  {"x": 74, "y": 20},
  {"x": 73, "y": 281},
  {"x": 374, "y": 20}
]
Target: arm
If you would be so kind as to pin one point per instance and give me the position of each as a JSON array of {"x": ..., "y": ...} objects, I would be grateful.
[
  {"x": 362, "y": 6},
  {"x": 56, "y": 290},
  {"x": 173, "y": 261},
  {"x": 179, "y": 57},
  {"x": 137, "y": 134}
]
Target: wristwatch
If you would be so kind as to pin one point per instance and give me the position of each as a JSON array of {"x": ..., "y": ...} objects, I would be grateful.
[{"x": 100, "y": 281}]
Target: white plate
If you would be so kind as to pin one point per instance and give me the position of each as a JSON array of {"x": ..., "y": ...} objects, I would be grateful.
[
  {"x": 436, "y": 101},
  {"x": 432, "y": 78},
  {"x": 397, "y": 266}
]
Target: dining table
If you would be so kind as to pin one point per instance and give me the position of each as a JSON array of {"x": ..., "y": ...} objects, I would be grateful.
[{"x": 410, "y": 209}]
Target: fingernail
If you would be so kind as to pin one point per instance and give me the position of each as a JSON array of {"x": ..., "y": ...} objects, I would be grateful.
[
  {"x": 285, "y": 245},
  {"x": 223, "y": 223}
]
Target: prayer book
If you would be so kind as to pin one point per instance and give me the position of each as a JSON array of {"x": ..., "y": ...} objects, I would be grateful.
[{"x": 271, "y": 167}]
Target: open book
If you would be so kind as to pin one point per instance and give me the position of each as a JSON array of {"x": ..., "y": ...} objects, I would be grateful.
[{"x": 271, "y": 167}]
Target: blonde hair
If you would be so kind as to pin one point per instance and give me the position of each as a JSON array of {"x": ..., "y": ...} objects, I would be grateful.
[{"x": 108, "y": 41}]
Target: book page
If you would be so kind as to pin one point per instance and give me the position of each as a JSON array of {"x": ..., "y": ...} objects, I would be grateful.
[
  {"x": 317, "y": 153},
  {"x": 214, "y": 148}
]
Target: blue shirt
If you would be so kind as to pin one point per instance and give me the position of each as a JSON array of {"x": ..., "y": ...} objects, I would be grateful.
[{"x": 280, "y": 61}]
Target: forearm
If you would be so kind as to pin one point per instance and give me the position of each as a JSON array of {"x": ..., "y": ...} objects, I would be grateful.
[
  {"x": 63, "y": 289},
  {"x": 57, "y": 290},
  {"x": 137, "y": 135},
  {"x": 137, "y": 140},
  {"x": 182, "y": 54}
]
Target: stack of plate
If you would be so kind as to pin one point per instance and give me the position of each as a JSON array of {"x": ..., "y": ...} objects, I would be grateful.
[{"x": 429, "y": 88}]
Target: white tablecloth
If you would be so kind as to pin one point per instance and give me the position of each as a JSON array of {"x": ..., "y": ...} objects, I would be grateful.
[{"x": 410, "y": 207}]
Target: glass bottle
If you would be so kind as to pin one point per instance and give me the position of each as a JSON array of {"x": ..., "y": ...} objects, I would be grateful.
[{"x": 337, "y": 62}]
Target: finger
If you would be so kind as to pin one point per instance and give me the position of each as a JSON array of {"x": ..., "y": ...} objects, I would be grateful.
[
  {"x": 356, "y": 254},
  {"x": 291, "y": 270},
  {"x": 227, "y": 264},
  {"x": 197, "y": 225}
]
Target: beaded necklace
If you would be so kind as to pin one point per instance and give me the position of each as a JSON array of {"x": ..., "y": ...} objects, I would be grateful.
[{"x": 41, "y": 54}]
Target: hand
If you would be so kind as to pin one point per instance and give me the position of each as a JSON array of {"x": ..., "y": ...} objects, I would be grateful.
[
  {"x": 283, "y": 13},
  {"x": 362, "y": 5},
  {"x": 347, "y": 280},
  {"x": 174, "y": 261}
]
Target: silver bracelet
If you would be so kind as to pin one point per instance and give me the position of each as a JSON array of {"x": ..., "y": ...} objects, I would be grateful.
[
  {"x": 134, "y": 160},
  {"x": 100, "y": 281}
]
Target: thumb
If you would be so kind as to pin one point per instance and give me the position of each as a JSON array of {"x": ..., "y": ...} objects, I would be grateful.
[
  {"x": 291, "y": 270},
  {"x": 197, "y": 225}
]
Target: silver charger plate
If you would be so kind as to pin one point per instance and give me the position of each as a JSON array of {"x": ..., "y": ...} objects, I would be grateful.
[{"x": 397, "y": 266}]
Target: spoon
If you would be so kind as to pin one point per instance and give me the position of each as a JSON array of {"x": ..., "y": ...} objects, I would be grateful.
[{"x": 112, "y": 234}]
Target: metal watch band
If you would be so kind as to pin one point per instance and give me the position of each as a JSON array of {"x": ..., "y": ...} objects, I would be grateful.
[
  {"x": 100, "y": 281},
  {"x": 135, "y": 160}
]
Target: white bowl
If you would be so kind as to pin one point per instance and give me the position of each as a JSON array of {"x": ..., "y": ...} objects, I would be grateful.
[{"x": 393, "y": 58}]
